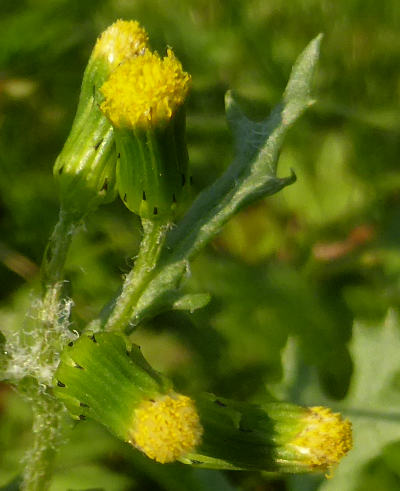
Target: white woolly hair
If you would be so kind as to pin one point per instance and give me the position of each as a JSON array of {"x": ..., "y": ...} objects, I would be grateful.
[{"x": 34, "y": 349}]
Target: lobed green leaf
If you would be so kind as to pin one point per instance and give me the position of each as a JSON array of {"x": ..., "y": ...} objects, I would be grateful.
[{"x": 250, "y": 177}]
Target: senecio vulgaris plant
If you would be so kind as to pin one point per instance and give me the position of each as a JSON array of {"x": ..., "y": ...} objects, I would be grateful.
[{"x": 128, "y": 138}]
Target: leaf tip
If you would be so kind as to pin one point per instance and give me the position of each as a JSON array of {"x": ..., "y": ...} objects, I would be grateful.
[
  {"x": 287, "y": 181},
  {"x": 315, "y": 44}
]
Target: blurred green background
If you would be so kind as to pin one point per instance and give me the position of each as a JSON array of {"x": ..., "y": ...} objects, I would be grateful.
[{"x": 303, "y": 265}]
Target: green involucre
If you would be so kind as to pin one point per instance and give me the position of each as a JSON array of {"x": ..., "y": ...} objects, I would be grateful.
[
  {"x": 152, "y": 168},
  {"x": 104, "y": 378},
  {"x": 85, "y": 168}
]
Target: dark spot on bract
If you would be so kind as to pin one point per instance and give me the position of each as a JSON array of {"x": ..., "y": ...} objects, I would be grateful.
[
  {"x": 105, "y": 185},
  {"x": 155, "y": 210},
  {"x": 125, "y": 197},
  {"x": 196, "y": 461},
  {"x": 245, "y": 430},
  {"x": 71, "y": 343},
  {"x": 60, "y": 170},
  {"x": 144, "y": 196},
  {"x": 48, "y": 254},
  {"x": 82, "y": 404},
  {"x": 98, "y": 144},
  {"x": 78, "y": 366},
  {"x": 173, "y": 198},
  {"x": 82, "y": 417},
  {"x": 217, "y": 401},
  {"x": 60, "y": 384},
  {"x": 118, "y": 156},
  {"x": 92, "y": 337}
]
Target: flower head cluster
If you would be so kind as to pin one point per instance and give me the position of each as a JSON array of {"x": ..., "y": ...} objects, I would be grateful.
[
  {"x": 325, "y": 439},
  {"x": 166, "y": 428},
  {"x": 145, "y": 91},
  {"x": 120, "y": 41},
  {"x": 86, "y": 167}
]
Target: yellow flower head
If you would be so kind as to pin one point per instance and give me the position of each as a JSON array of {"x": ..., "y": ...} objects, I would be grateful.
[
  {"x": 121, "y": 40},
  {"x": 167, "y": 428},
  {"x": 325, "y": 439},
  {"x": 145, "y": 91}
]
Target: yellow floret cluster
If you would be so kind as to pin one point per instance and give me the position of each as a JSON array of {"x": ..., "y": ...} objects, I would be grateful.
[
  {"x": 120, "y": 41},
  {"x": 145, "y": 91},
  {"x": 167, "y": 428},
  {"x": 325, "y": 439}
]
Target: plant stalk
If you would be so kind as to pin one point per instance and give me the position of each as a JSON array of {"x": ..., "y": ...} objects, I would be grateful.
[
  {"x": 154, "y": 234},
  {"x": 46, "y": 427},
  {"x": 46, "y": 341},
  {"x": 55, "y": 255}
]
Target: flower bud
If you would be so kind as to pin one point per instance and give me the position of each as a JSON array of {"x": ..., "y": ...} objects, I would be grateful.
[
  {"x": 85, "y": 168},
  {"x": 143, "y": 99},
  {"x": 100, "y": 378},
  {"x": 275, "y": 437}
]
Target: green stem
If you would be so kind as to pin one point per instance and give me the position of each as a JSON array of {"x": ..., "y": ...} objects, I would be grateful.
[
  {"x": 56, "y": 251},
  {"x": 46, "y": 427},
  {"x": 47, "y": 337},
  {"x": 52, "y": 272},
  {"x": 154, "y": 233}
]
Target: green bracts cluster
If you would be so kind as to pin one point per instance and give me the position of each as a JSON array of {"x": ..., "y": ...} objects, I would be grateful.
[
  {"x": 99, "y": 377},
  {"x": 85, "y": 168},
  {"x": 158, "y": 181}
]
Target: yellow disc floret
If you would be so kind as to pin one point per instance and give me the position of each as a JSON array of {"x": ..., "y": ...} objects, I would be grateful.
[
  {"x": 145, "y": 91},
  {"x": 166, "y": 428},
  {"x": 325, "y": 439},
  {"x": 121, "y": 40}
]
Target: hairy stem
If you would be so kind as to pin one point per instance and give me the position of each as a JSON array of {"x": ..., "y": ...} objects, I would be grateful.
[
  {"x": 56, "y": 251},
  {"x": 39, "y": 459},
  {"x": 45, "y": 341},
  {"x": 154, "y": 234}
]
